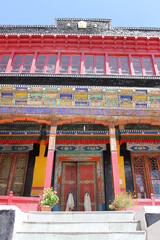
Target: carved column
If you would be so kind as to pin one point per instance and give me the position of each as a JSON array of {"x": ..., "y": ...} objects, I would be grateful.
[
  {"x": 114, "y": 159},
  {"x": 50, "y": 155}
]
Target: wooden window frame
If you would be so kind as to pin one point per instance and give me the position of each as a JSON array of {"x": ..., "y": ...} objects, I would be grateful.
[{"x": 146, "y": 165}]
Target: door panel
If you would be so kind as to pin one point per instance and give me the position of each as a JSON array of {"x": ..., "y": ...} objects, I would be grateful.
[
  {"x": 78, "y": 178},
  {"x": 154, "y": 175},
  {"x": 5, "y": 168},
  {"x": 139, "y": 172},
  {"x": 146, "y": 174},
  {"x": 86, "y": 183},
  {"x": 69, "y": 183},
  {"x": 13, "y": 173}
]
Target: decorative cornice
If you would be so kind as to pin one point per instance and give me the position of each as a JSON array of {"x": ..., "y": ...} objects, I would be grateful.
[
  {"x": 78, "y": 76},
  {"x": 139, "y": 132},
  {"x": 95, "y": 27}
]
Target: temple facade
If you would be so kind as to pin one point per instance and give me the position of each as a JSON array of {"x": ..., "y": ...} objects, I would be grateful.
[{"x": 79, "y": 111}]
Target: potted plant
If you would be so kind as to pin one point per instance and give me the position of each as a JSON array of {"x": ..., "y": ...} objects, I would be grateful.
[
  {"x": 122, "y": 201},
  {"x": 49, "y": 199}
]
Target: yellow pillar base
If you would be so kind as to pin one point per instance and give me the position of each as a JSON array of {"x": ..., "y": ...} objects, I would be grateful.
[
  {"x": 121, "y": 169},
  {"x": 39, "y": 171}
]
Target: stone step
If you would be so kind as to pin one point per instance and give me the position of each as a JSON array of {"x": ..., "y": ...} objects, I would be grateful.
[
  {"x": 76, "y": 227},
  {"x": 139, "y": 235},
  {"x": 80, "y": 216}
]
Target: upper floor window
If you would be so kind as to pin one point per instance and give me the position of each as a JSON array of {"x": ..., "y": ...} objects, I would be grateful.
[
  {"x": 40, "y": 64},
  {"x": 157, "y": 61},
  {"x": 99, "y": 65},
  {"x": 51, "y": 63},
  {"x": 118, "y": 65},
  {"x": 142, "y": 65},
  {"x": 17, "y": 63},
  {"x": 45, "y": 63},
  {"x": 4, "y": 62},
  {"x": 27, "y": 63},
  {"x": 89, "y": 65},
  {"x": 64, "y": 64},
  {"x": 75, "y": 67},
  {"x": 147, "y": 65},
  {"x": 113, "y": 64},
  {"x": 94, "y": 64},
  {"x": 137, "y": 66},
  {"x": 124, "y": 65},
  {"x": 70, "y": 64},
  {"x": 22, "y": 63}
]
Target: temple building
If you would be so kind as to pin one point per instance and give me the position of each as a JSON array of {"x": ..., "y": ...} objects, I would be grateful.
[{"x": 80, "y": 111}]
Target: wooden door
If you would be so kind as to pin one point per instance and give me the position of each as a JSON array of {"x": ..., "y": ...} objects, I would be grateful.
[
  {"x": 146, "y": 174},
  {"x": 13, "y": 168},
  {"x": 153, "y": 165},
  {"x": 86, "y": 183},
  {"x": 79, "y": 178},
  {"x": 69, "y": 183}
]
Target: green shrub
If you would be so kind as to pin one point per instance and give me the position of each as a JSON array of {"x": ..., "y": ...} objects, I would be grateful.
[
  {"x": 49, "y": 197},
  {"x": 123, "y": 200}
]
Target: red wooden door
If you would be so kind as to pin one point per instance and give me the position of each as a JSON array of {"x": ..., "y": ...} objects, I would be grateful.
[
  {"x": 69, "y": 183},
  {"x": 78, "y": 178},
  {"x": 86, "y": 183}
]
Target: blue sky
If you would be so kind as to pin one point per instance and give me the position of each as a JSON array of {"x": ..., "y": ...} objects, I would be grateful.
[{"x": 131, "y": 13}]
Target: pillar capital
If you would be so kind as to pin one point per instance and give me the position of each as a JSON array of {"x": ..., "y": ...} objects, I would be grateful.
[
  {"x": 52, "y": 137},
  {"x": 112, "y": 136}
]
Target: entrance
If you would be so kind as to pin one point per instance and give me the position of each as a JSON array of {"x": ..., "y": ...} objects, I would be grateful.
[
  {"x": 13, "y": 168},
  {"x": 146, "y": 174},
  {"x": 79, "y": 178}
]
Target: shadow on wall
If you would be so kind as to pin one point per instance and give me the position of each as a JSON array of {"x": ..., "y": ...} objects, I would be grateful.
[{"x": 7, "y": 219}]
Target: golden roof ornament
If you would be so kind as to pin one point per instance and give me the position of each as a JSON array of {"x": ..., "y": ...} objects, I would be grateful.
[{"x": 82, "y": 24}]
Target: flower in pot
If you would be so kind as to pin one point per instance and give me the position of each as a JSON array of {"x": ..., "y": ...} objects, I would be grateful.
[
  {"x": 122, "y": 201},
  {"x": 49, "y": 199}
]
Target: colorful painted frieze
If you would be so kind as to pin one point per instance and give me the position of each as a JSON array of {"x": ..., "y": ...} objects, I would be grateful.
[
  {"x": 35, "y": 96},
  {"x": 50, "y": 96},
  {"x": 7, "y": 95},
  {"x": 143, "y": 147},
  {"x": 81, "y": 96},
  {"x": 21, "y": 95},
  {"x": 66, "y": 97},
  {"x": 154, "y": 99},
  {"x": 16, "y": 148},
  {"x": 110, "y": 98},
  {"x": 125, "y": 98},
  {"x": 140, "y": 98}
]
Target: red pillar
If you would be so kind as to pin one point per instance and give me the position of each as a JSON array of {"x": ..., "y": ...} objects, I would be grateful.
[
  {"x": 50, "y": 155},
  {"x": 114, "y": 159}
]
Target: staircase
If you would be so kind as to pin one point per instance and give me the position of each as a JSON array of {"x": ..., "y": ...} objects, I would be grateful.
[{"x": 80, "y": 226}]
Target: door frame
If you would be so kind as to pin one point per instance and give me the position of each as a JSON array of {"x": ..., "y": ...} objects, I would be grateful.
[{"x": 78, "y": 204}]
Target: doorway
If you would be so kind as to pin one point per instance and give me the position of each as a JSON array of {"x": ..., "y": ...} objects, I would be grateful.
[
  {"x": 79, "y": 178},
  {"x": 13, "y": 168},
  {"x": 146, "y": 174}
]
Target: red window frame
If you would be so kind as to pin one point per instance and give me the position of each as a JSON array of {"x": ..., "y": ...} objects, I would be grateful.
[
  {"x": 144, "y": 67},
  {"x": 69, "y": 64},
  {"x": 94, "y": 64},
  {"x": 22, "y": 63},
  {"x": 4, "y": 64},
  {"x": 45, "y": 63}
]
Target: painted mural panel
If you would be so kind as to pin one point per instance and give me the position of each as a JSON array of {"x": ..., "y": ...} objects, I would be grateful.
[
  {"x": 50, "y": 96},
  {"x": 21, "y": 95}
]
